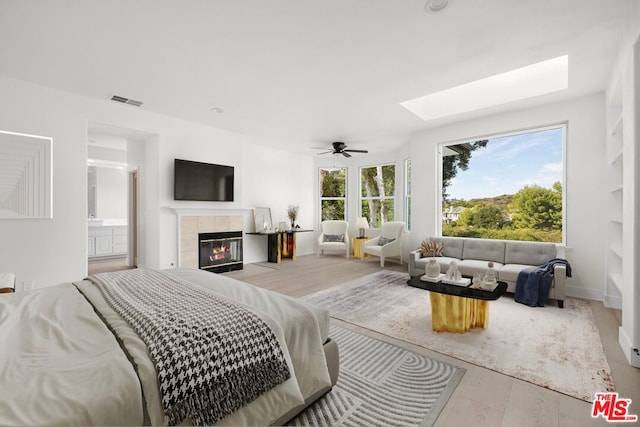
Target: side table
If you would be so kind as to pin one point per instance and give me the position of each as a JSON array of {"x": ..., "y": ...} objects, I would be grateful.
[{"x": 357, "y": 244}]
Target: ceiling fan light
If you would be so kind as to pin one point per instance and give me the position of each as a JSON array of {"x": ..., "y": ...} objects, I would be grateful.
[{"x": 434, "y": 6}]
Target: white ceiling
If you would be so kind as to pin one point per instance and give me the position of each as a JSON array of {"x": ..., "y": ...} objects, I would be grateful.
[{"x": 298, "y": 74}]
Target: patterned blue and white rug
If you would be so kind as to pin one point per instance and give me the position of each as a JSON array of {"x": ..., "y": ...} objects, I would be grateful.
[{"x": 381, "y": 384}]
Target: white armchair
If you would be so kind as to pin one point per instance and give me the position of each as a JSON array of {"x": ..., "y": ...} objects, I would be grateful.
[
  {"x": 388, "y": 243},
  {"x": 334, "y": 236}
]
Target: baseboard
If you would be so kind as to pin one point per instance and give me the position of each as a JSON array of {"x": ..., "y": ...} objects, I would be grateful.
[
  {"x": 612, "y": 302},
  {"x": 631, "y": 353},
  {"x": 589, "y": 293}
]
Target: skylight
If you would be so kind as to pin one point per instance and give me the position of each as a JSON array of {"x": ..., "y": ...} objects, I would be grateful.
[{"x": 522, "y": 83}]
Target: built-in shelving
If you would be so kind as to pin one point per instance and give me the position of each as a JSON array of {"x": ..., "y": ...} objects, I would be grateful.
[{"x": 615, "y": 186}]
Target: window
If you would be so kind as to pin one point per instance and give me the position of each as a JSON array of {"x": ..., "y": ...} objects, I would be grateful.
[
  {"x": 407, "y": 193},
  {"x": 505, "y": 187},
  {"x": 333, "y": 194},
  {"x": 377, "y": 194}
]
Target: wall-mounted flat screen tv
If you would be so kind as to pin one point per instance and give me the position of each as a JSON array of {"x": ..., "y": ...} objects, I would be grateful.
[{"x": 202, "y": 181}]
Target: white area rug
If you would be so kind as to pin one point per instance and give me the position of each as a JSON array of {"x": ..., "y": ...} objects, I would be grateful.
[
  {"x": 559, "y": 349},
  {"x": 381, "y": 384}
]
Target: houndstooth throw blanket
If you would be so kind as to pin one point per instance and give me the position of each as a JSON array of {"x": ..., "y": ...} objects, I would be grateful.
[{"x": 211, "y": 355}]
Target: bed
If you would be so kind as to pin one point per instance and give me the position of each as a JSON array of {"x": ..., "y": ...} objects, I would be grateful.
[{"x": 68, "y": 356}]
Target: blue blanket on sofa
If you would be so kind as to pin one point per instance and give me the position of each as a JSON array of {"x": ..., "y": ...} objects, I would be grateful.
[{"x": 533, "y": 284}]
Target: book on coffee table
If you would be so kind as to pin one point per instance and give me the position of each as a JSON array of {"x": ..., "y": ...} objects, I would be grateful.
[
  {"x": 462, "y": 282},
  {"x": 426, "y": 278},
  {"x": 485, "y": 286}
]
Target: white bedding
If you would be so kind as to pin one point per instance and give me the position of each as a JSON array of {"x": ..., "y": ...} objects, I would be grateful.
[
  {"x": 60, "y": 365},
  {"x": 300, "y": 329}
]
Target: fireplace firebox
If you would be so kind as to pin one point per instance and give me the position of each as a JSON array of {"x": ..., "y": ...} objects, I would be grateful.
[{"x": 220, "y": 252}]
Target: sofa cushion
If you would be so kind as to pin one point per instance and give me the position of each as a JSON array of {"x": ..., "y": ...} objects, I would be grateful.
[
  {"x": 451, "y": 246},
  {"x": 469, "y": 267},
  {"x": 509, "y": 272},
  {"x": 333, "y": 237},
  {"x": 530, "y": 253},
  {"x": 484, "y": 250},
  {"x": 333, "y": 246}
]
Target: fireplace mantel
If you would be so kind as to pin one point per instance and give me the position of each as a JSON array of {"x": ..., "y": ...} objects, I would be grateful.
[{"x": 202, "y": 211}]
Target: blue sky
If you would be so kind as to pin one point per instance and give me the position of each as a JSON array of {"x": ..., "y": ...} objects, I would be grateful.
[{"x": 509, "y": 163}]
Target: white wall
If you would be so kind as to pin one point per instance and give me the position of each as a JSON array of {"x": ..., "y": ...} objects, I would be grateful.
[
  {"x": 584, "y": 184},
  {"x": 58, "y": 246}
]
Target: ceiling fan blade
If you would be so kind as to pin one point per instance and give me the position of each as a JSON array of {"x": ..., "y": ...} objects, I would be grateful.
[
  {"x": 357, "y": 151},
  {"x": 344, "y": 153},
  {"x": 326, "y": 152}
]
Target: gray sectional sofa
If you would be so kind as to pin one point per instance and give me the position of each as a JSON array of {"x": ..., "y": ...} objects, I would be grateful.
[{"x": 509, "y": 258}]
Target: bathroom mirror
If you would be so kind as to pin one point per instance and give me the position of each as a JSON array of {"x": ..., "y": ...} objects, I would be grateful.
[
  {"x": 106, "y": 190},
  {"x": 25, "y": 176}
]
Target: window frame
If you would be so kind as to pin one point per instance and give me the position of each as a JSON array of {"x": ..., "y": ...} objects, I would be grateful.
[
  {"x": 564, "y": 125},
  {"x": 407, "y": 193},
  {"x": 395, "y": 188},
  {"x": 346, "y": 191}
]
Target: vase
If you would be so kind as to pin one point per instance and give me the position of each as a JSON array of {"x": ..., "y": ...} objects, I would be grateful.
[{"x": 433, "y": 269}]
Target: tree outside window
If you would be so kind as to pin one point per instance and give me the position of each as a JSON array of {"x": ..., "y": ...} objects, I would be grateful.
[
  {"x": 507, "y": 187},
  {"x": 377, "y": 197},
  {"x": 333, "y": 194}
]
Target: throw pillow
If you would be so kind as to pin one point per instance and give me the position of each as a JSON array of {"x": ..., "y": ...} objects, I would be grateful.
[
  {"x": 431, "y": 249},
  {"x": 384, "y": 240},
  {"x": 333, "y": 237}
]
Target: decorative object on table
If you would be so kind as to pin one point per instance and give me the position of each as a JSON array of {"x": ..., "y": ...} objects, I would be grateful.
[
  {"x": 454, "y": 277},
  {"x": 262, "y": 219},
  {"x": 430, "y": 249},
  {"x": 453, "y": 273},
  {"x": 282, "y": 226},
  {"x": 292, "y": 213},
  {"x": 477, "y": 279},
  {"x": 361, "y": 225},
  {"x": 433, "y": 269},
  {"x": 489, "y": 279}
]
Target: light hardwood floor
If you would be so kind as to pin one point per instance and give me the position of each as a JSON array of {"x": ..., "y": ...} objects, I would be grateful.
[
  {"x": 100, "y": 265},
  {"x": 484, "y": 397}
]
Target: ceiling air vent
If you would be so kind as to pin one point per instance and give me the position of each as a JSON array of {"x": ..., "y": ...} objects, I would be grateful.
[{"x": 124, "y": 100}]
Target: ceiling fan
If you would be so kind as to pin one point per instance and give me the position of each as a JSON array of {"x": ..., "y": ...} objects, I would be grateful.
[{"x": 341, "y": 148}]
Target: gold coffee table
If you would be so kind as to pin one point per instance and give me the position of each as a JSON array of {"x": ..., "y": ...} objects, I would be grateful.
[{"x": 457, "y": 308}]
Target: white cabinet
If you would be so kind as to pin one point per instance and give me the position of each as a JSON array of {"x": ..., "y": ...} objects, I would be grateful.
[
  {"x": 107, "y": 241},
  {"x": 119, "y": 242}
]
